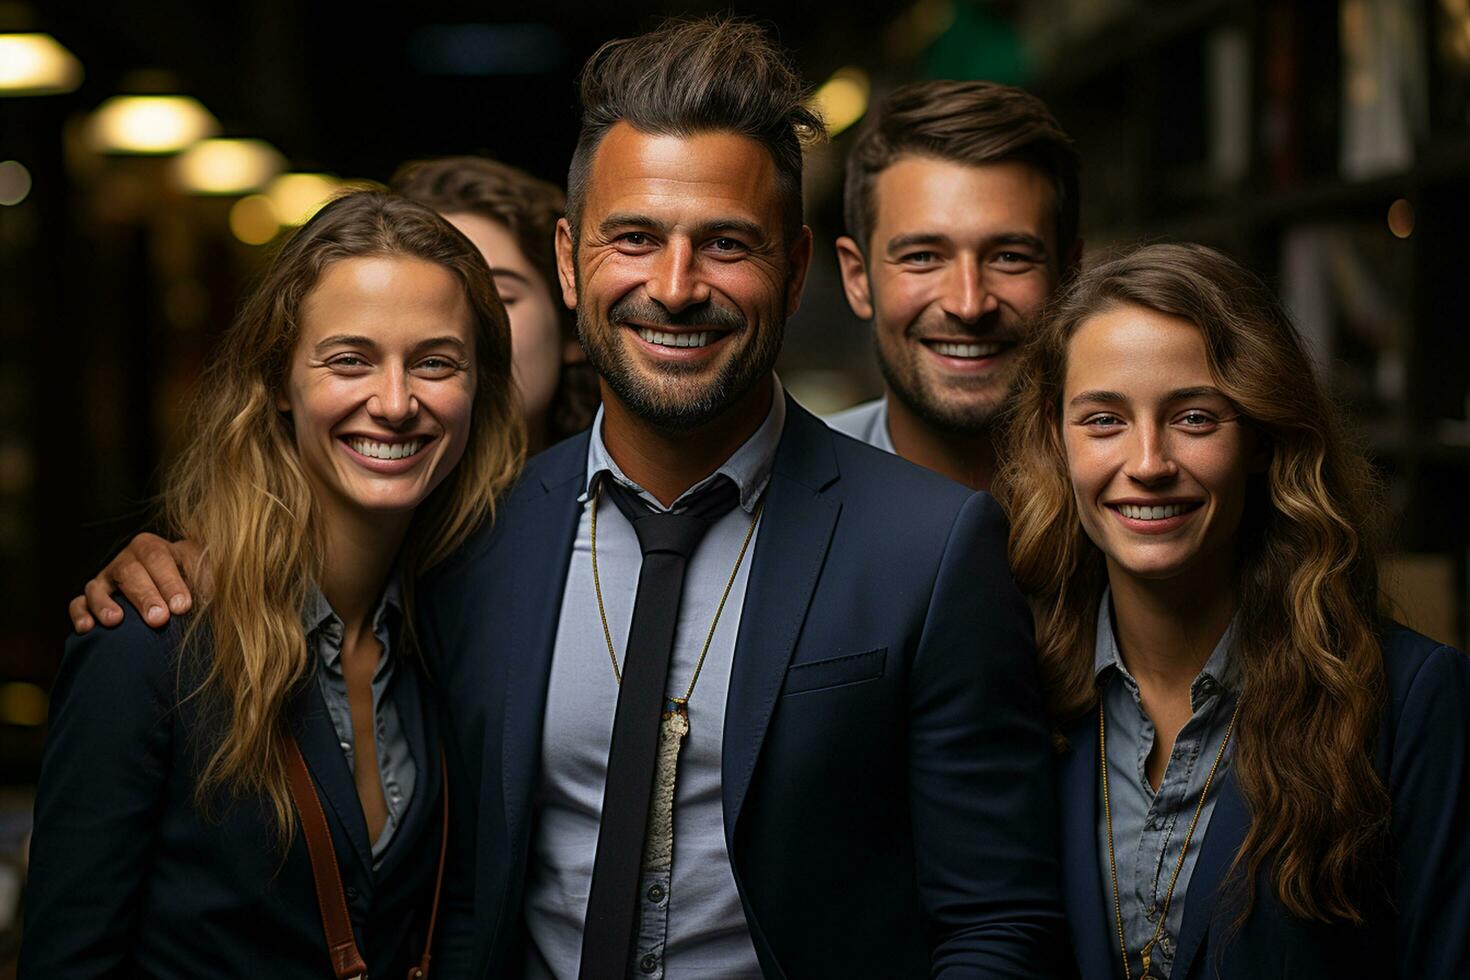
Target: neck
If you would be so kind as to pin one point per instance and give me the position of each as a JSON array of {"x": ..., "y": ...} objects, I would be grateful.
[
  {"x": 1167, "y": 629},
  {"x": 667, "y": 463},
  {"x": 361, "y": 549},
  {"x": 965, "y": 457},
  {"x": 537, "y": 429}
]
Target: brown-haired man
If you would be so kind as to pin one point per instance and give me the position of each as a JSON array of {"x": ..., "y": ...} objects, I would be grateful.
[
  {"x": 961, "y": 204},
  {"x": 726, "y": 702}
]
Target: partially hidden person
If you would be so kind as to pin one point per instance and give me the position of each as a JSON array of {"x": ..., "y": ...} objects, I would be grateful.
[
  {"x": 1263, "y": 774},
  {"x": 257, "y": 789},
  {"x": 511, "y": 217}
]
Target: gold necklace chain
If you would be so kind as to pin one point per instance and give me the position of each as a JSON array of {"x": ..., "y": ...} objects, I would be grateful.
[
  {"x": 709, "y": 637},
  {"x": 1102, "y": 750}
]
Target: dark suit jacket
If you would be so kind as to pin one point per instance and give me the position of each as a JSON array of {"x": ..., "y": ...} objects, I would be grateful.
[
  {"x": 1423, "y": 757},
  {"x": 886, "y": 773},
  {"x": 127, "y": 878}
]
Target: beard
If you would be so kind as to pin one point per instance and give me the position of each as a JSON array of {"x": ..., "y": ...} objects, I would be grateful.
[
  {"x": 672, "y": 396},
  {"x": 926, "y": 397}
]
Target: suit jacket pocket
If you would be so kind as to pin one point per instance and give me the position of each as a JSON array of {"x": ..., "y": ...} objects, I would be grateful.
[{"x": 853, "y": 668}]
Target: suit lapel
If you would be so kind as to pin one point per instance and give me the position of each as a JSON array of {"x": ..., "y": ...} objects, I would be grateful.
[
  {"x": 544, "y": 531},
  {"x": 421, "y": 731},
  {"x": 1229, "y": 822},
  {"x": 1089, "y": 910},
  {"x": 796, "y": 531},
  {"x": 323, "y": 753}
]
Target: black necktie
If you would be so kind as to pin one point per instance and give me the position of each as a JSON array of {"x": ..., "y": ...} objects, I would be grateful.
[{"x": 668, "y": 541}]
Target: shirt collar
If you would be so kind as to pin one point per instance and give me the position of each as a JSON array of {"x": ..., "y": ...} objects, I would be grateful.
[
  {"x": 1221, "y": 670},
  {"x": 319, "y": 616},
  {"x": 749, "y": 467},
  {"x": 882, "y": 438}
]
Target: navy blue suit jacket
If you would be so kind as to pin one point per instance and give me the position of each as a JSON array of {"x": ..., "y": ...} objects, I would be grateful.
[
  {"x": 1423, "y": 757},
  {"x": 886, "y": 775},
  {"x": 127, "y": 878}
]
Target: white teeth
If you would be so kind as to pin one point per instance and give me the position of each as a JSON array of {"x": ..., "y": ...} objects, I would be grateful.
[
  {"x": 665, "y": 339},
  {"x": 386, "y": 450},
  {"x": 1139, "y": 513},
  {"x": 966, "y": 350}
]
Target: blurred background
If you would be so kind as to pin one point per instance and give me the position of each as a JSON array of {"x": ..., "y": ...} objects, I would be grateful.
[{"x": 151, "y": 153}]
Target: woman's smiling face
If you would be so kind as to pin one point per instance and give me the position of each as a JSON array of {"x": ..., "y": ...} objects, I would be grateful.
[
  {"x": 381, "y": 382},
  {"x": 1157, "y": 454}
]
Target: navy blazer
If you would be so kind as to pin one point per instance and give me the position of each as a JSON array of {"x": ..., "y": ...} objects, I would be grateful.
[
  {"x": 128, "y": 878},
  {"x": 886, "y": 775},
  {"x": 1423, "y": 757}
]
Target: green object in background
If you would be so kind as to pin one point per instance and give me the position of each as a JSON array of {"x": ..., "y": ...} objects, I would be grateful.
[{"x": 978, "y": 44}]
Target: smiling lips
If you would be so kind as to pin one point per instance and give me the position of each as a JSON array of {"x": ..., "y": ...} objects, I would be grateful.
[
  {"x": 1146, "y": 518},
  {"x": 386, "y": 456}
]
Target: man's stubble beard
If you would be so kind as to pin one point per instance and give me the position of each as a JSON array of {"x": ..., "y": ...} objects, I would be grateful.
[
  {"x": 908, "y": 385},
  {"x": 664, "y": 404}
]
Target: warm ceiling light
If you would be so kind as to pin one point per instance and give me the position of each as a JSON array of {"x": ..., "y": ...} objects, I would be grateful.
[
  {"x": 15, "y": 182},
  {"x": 150, "y": 124},
  {"x": 843, "y": 99},
  {"x": 36, "y": 64},
  {"x": 227, "y": 166},
  {"x": 296, "y": 197},
  {"x": 253, "y": 220}
]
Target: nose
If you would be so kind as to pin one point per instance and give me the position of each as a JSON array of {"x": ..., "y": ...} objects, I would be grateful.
[
  {"x": 965, "y": 296},
  {"x": 674, "y": 281},
  {"x": 393, "y": 402},
  {"x": 1151, "y": 462}
]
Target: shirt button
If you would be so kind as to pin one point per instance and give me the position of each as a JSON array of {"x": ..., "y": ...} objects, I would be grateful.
[
  {"x": 346, "y": 746},
  {"x": 655, "y": 894},
  {"x": 351, "y": 893},
  {"x": 649, "y": 963}
]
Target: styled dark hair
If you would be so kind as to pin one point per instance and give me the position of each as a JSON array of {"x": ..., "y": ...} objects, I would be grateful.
[
  {"x": 707, "y": 74},
  {"x": 1312, "y": 681},
  {"x": 972, "y": 123},
  {"x": 529, "y": 208}
]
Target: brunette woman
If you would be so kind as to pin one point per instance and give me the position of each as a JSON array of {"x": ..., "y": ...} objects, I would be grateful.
[
  {"x": 511, "y": 217},
  {"x": 1262, "y": 774},
  {"x": 355, "y": 425}
]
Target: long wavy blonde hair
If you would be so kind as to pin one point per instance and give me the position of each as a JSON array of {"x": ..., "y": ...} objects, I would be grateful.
[
  {"x": 239, "y": 490},
  {"x": 1312, "y": 681}
]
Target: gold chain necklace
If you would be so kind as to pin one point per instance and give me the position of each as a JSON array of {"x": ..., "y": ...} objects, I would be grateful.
[
  {"x": 709, "y": 637},
  {"x": 1102, "y": 750}
]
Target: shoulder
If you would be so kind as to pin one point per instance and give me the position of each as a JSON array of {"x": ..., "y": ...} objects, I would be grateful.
[
  {"x": 1428, "y": 698},
  {"x": 1412, "y": 660},
  {"x": 128, "y": 662},
  {"x": 857, "y": 421},
  {"x": 906, "y": 490}
]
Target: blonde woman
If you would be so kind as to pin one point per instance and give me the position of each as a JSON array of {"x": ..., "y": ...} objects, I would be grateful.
[
  {"x": 1263, "y": 776},
  {"x": 354, "y": 428}
]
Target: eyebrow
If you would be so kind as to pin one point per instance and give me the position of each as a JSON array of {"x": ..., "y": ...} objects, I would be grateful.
[
  {"x": 1117, "y": 398},
  {"x": 509, "y": 274},
  {"x": 627, "y": 219},
  {"x": 898, "y": 242},
  {"x": 352, "y": 340}
]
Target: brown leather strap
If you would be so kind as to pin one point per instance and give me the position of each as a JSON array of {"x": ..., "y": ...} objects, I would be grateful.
[
  {"x": 421, "y": 972},
  {"x": 347, "y": 962}
]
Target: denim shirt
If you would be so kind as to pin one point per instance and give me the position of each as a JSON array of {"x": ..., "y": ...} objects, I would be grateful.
[
  {"x": 1149, "y": 827},
  {"x": 396, "y": 767}
]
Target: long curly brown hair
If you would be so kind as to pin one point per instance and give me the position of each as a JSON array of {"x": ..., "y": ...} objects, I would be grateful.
[{"x": 1308, "y": 621}]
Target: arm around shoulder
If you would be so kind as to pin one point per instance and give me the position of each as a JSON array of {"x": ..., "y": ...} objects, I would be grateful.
[
  {"x": 980, "y": 763},
  {"x": 1429, "y": 782},
  {"x": 102, "y": 780}
]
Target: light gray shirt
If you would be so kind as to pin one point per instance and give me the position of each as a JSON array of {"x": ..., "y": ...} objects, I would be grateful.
[
  {"x": 1149, "y": 827},
  {"x": 692, "y": 925},
  {"x": 867, "y": 422},
  {"x": 396, "y": 767}
]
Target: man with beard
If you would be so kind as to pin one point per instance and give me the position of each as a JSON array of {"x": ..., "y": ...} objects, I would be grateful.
[
  {"x": 732, "y": 695},
  {"x": 961, "y": 204}
]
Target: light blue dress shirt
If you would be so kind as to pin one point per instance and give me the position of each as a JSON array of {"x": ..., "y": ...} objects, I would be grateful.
[
  {"x": 867, "y": 422},
  {"x": 694, "y": 924},
  {"x": 1149, "y": 827}
]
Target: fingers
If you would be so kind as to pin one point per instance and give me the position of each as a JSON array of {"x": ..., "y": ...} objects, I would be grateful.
[
  {"x": 81, "y": 619},
  {"x": 190, "y": 557},
  {"x": 98, "y": 596}
]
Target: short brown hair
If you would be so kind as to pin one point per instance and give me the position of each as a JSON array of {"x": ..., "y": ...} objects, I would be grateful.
[
  {"x": 972, "y": 123},
  {"x": 530, "y": 208},
  {"x": 707, "y": 74}
]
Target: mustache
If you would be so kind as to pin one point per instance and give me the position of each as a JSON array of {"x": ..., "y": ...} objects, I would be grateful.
[
  {"x": 646, "y": 311},
  {"x": 991, "y": 327}
]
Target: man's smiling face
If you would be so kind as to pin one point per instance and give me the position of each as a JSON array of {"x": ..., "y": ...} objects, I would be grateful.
[
  {"x": 680, "y": 273},
  {"x": 958, "y": 259}
]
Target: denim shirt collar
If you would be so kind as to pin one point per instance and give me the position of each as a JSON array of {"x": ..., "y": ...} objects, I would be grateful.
[
  {"x": 1220, "y": 672},
  {"x": 749, "y": 467},
  {"x": 320, "y": 620}
]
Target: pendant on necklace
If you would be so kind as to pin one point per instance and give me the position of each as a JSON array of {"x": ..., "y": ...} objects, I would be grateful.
[{"x": 658, "y": 845}]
